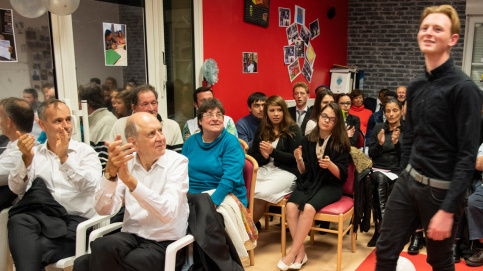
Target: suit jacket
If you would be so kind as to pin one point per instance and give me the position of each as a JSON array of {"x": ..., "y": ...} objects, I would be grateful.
[
  {"x": 370, "y": 103},
  {"x": 293, "y": 114}
]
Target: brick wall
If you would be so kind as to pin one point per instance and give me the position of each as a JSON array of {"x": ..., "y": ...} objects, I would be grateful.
[{"x": 382, "y": 40}]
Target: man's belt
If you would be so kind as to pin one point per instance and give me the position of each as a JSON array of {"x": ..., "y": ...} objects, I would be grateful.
[{"x": 420, "y": 178}]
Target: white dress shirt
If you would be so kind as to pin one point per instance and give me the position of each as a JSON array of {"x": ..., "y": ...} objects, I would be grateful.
[
  {"x": 72, "y": 183},
  {"x": 158, "y": 208},
  {"x": 300, "y": 115},
  {"x": 9, "y": 160}
]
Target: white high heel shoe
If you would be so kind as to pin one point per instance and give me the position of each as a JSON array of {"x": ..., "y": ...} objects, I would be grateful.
[
  {"x": 282, "y": 266},
  {"x": 297, "y": 266}
]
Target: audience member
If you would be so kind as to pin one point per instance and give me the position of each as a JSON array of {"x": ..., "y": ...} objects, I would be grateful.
[
  {"x": 323, "y": 98},
  {"x": 32, "y": 97},
  {"x": 438, "y": 148},
  {"x": 373, "y": 104},
  {"x": 95, "y": 80},
  {"x": 60, "y": 177},
  {"x": 401, "y": 93},
  {"x": 49, "y": 91},
  {"x": 191, "y": 127},
  {"x": 122, "y": 104},
  {"x": 16, "y": 115},
  {"x": 322, "y": 160},
  {"x": 248, "y": 125},
  {"x": 320, "y": 88},
  {"x": 385, "y": 152},
  {"x": 144, "y": 98},
  {"x": 378, "y": 116},
  {"x": 152, "y": 183},
  {"x": 216, "y": 159},
  {"x": 357, "y": 108},
  {"x": 352, "y": 122},
  {"x": 300, "y": 113},
  {"x": 273, "y": 145},
  {"x": 100, "y": 119}
]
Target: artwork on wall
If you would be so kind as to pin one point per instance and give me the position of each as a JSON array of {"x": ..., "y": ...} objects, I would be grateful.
[
  {"x": 115, "y": 44},
  {"x": 314, "y": 28},
  {"x": 299, "y": 48},
  {"x": 299, "y": 15},
  {"x": 305, "y": 34},
  {"x": 289, "y": 54},
  {"x": 307, "y": 71},
  {"x": 257, "y": 12},
  {"x": 283, "y": 17},
  {"x": 310, "y": 55},
  {"x": 250, "y": 62},
  {"x": 294, "y": 70},
  {"x": 292, "y": 33},
  {"x": 8, "y": 50}
]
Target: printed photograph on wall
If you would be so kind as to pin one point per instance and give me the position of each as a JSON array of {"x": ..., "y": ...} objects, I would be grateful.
[
  {"x": 310, "y": 54},
  {"x": 283, "y": 17},
  {"x": 115, "y": 44},
  {"x": 299, "y": 15},
  {"x": 314, "y": 28},
  {"x": 288, "y": 54},
  {"x": 257, "y": 12},
  {"x": 294, "y": 70},
  {"x": 307, "y": 71},
  {"x": 8, "y": 50},
  {"x": 299, "y": 49},
  {"x": 250, "y": 62},
  {"x": 305, "y": 34},
  {"x": 292, "y": 33}
]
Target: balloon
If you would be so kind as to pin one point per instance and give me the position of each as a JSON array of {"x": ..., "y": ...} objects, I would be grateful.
[
  {"x": 29, "y": 8},
  {"x": 403, "y": 264},
  {"x": 61, "y": 7}
]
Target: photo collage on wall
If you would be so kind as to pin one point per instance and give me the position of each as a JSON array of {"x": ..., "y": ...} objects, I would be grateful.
[{"x": 299, "y": 38}]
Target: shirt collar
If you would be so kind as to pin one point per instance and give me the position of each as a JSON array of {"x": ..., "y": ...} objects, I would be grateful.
[
  {"x": 161, "y": 162},
  {"x": 305, "y": 109},
  {"x": 70, "y": 148},
  {"x": 441, "y": 70}
]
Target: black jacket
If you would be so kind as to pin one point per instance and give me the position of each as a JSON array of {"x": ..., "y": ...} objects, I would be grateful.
[
  {"x": 213, "y": 249},
  {"x": 283, "y": 153},
  {"x": 387, "y": 156},
  {"x": 293, "y": 113},
  {"x": 351, "y": 121},
  {"x": 363, "y": 197}
]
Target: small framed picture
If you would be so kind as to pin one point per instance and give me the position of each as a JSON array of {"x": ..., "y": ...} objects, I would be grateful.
[
  {"x": 314, "y": 28},
  {"x": 283, "y": 17},
  {"x": 288, "y": 54},
  {"x": 250, "y": 62},
  {"x": 299, "y": 15}
]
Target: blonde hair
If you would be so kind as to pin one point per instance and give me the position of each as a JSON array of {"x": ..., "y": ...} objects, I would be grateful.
[{"x": 448, "y": 11}]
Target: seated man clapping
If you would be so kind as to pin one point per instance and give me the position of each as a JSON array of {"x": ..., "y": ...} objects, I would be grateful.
[{"x": 153, "y": 183}]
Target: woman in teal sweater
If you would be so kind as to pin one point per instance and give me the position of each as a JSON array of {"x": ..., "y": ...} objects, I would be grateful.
[{"x": 216, "y": 159}]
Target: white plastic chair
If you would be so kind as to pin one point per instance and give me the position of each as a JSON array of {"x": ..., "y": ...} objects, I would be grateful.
[{"x": 77, "y": 114}]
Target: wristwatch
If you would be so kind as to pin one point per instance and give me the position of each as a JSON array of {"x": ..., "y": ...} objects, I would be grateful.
[{"x": 109, "y": 177}]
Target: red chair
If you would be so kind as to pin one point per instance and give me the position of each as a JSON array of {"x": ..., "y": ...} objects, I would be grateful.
[
  {"x": 361, "y": 140},
  {"x": 337, "y": 212}
]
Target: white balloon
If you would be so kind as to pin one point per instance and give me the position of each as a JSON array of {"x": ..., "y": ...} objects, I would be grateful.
[
  {"x": 61, "y": 7},
  {"x": 29, "y": 8},
  {"x": 403, "y": 264}
]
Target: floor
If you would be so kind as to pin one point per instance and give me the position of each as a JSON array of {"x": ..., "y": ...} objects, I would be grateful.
[{"x": 322, "y": 255}]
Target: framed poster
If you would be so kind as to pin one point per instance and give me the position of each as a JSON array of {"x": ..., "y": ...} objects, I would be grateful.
[
  {"x": 115, "y": 44},
  {"x": 257, "y": 12},
  {"x": 8, "y": 50}
]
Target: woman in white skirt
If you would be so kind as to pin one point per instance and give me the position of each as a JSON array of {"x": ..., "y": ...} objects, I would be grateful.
[{"x": 275, "y": 141}]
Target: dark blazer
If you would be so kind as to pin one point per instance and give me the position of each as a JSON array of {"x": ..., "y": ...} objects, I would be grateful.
[
  {"x": 351, "y": 121},
  {"x": 370, "y": 103},
  {"x": 293, "y": 114},
  {"x": 283, "y": 153},
  {"x": 214, "y": 250}
]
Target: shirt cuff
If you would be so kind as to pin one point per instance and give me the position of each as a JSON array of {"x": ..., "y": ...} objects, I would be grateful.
[
  {"x": 141, "y": 191},
  {"x": 219, "y": 195}
]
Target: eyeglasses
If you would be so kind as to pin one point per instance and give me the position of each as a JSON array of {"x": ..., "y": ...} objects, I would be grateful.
[
  {"x": 213, "y": 116},
  {"x": 345, "y": 103},
  {"x": 327, "y": 118}
]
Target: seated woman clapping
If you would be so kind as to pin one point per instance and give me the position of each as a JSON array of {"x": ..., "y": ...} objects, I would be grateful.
[
  {"x": 385, "y": 151},
  {"x": 322, "y": 161},
  {"x": 273, "y": 145},
  {"x": 216, "y": 159}
]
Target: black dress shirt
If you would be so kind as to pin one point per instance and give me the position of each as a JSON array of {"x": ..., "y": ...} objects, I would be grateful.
[{"x": 441, "y": 132}]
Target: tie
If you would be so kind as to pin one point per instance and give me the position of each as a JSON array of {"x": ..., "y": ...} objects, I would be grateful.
[
  {"x": 300, "y": 119},
  {"x": 380, "y": 107}
]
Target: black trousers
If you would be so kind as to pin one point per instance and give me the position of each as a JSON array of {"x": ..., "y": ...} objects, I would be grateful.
[
  {"x": 126, "y": 251},
  {"x": 6, "y": 197},
  {"x": 411, "y": 204},
  {"x": 31, "y": 250}
]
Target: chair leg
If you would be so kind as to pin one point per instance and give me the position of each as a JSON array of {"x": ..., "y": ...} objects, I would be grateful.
[
  {"x": 353, "y": 235},
  {"x": 266, "y": 216},
  {"x": 252, "y": 257},
  {"x": 340, "y": 234},
  {"x": 312, "y": 233},
  {"x": 284, "y": 230}
]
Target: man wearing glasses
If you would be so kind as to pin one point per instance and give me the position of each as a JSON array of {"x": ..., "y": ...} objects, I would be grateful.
[{"x": 145, "y": 99}]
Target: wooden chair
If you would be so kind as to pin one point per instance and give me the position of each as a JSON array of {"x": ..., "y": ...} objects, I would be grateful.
[
  {"x": 244, "y": 145},
  {"x": 250, "y": 171},
  {"x": 337, "y": 212},
  {"x": 267, "y": 215}
]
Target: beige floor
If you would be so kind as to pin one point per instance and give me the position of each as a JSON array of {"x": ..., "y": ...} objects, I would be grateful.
[{"x": 322, "y": 255}]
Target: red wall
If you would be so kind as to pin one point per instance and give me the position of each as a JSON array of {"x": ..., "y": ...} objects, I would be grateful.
[{"x": 226, "y": 36}]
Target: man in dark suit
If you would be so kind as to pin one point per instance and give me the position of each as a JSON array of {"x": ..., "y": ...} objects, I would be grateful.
[
  {"x": 300, "y": 112},
  {"x": 373, "y": 104}
]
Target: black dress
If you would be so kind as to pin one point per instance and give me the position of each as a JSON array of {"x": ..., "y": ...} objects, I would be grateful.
[{"x": 318, "y": 186}]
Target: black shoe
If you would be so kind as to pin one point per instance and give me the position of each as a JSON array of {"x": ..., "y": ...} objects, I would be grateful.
[
  {"x": 457, "y": 252},
  {"x": 373, "y": 241},
  {"x": 476, "y": 259},
  {"x": 417, "y": 242}
]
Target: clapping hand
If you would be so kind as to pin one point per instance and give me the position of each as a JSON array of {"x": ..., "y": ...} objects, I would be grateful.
[
  {"x": 351, "y": 131},
  {"x": 298, "y": 154},
  {"x": 381, "y": 137},
  {"x": 325, "y": 162},
  {"x": 25, "y": 144},
  {"x": 395, "y": 136},
  {"x": 266, "y": 148},
  {"x": 118, "y": 156}
]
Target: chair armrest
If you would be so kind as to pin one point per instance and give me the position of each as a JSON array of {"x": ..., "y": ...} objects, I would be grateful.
[
  {"x": 103, "y": 231},
  {"x": 170, "y": 258},
  {"x": 4, "y": 237},
  {"x": 81, "y": 232}
]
